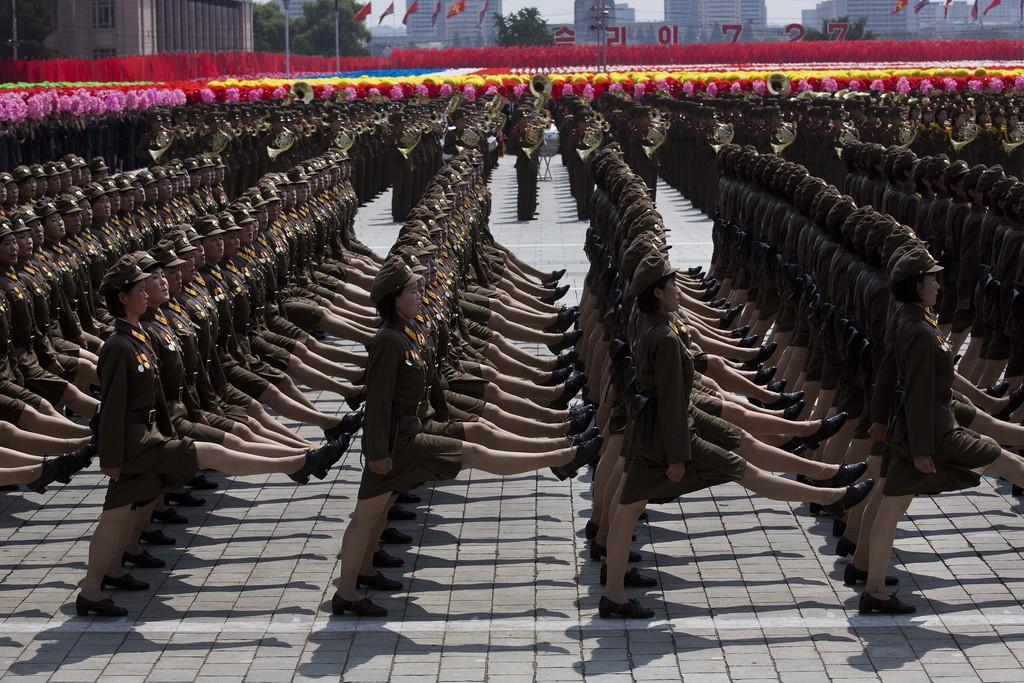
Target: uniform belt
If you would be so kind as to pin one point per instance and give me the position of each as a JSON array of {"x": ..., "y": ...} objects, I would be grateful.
[{"x": 146, "y": 417}]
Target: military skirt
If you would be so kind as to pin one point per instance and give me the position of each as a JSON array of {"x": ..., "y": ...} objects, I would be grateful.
[
  {"x": 155, "y": 465},
  {"x": 11, "y": 409},
  {"x": 39, "y": 380},
  {"x": 957, "y": 454},
  {"x": 709, "y": 465},
  {"x": 414, "y": 461},
  {"x": 469, "y": 404}
]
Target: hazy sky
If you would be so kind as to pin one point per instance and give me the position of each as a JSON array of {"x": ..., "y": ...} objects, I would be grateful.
[{"x": 560, "y": 11}]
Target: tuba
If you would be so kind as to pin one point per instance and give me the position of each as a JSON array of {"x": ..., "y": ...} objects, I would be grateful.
[
  {"x": 408, "y": 140},
  {"x": 160, "y": 144},
  {"x": 282, "y": 143},
  {"x": 783, "y": 137},
  {"x": 1012, "y": 139},
  {"x": 300, "y": 91},
  {"x": 778, "y": 84},
  {"x": 967, "y": 134},
  {"x": 721, "y": 136},
  {"x": 540, "y": 86},
  {"x": 906, "y": 134}
]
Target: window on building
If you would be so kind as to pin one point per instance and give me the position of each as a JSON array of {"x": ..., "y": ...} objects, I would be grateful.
[
  {"x": 103, "y": 13},
  {"x": 103, "y": 53}
]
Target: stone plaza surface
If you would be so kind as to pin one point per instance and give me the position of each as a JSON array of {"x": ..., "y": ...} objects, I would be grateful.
[{"x": 498, "y": 584}]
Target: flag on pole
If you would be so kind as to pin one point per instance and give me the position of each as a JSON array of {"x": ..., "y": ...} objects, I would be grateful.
[
  {"x": 921, "y": 4},
  {"x": 991, "y": 6},
  {"x": 483, "y": 12},
  {"x": 945, "y": 9},
  {"x": 437, "y": 13},
  {"x": 974, "y": 11},
  {"x": 390, "y": 10},
  {"x": 363, "y": 12},
  {"x": 413, "y": 9},
  {"x": 900, "y": 4},
  {"x": 456, "y": 9}
]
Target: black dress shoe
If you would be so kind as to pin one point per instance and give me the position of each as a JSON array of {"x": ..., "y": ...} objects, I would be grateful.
[
  {"x": 999, "y": 389},
  {"x": 320, "y": 460},
  {"x": 580, "y": 423},
  {"x": 360, "y": 608},
  {"x": 1015, "y": 401},
  {"x": 395, "y": 537},
  {"x": 696, "y": 271},
  {"x": 599, "y": 552},
  {"x": 853, "y": 496},
  {"x": 581, "y": 408},
  {"x": 557, "y": 377},
  {"x": 382, "y": 559},
  {"x": 767, "y": 351},
  {"x": 185, "y": 500},
  {"x": 398, "y": 513},
  {"x": 845, "y": 547},
  {"x": 349, "y": 425},
  {"x": 143, "y": 559},
  {"x": 590, "y": 530},
  {"x": 1016, "y": 491},
  {"x": 846, "y": 475},
  {"x": 101, "y": 608},
  {"x": 157, "y": 537},
  {"x": 853, "y": 576},
  {"x": 408, "y": 498},
  {"x": 830, "y": 426},
  {"x": 557, "y": 294},
  {"x": 719, "y": 303},
  {"x": 565, "y": 320},
  {"x": 76, "y": 461},
  {"x": 60, "y": 468},
  {"x": 555, "y": 276},
  {"x": 566, "y": 359},
  {"x": 569, "y": 390},
  {"x": 568, "y": 339},
  {"x": 710, "y": 293},
  {"x": 739, "y": 332},
  {"x": 379, "y": 582},
  {"x": 784, "y": 401},
  {"x": 765, "y": 375},
  {"x": 869, "y": 604},
  {"x": 633, "y": 578},
  {"x": 631, "y": 609},
  {"x": 794, "y": 411},
  {"x": 748, "y": 343},
  {"x": 353, "y": 402},
  {"x": 727, "y": 318},
  {"x": 168, "y": 516},
  {"x": 586, "y": 453},
  {"x": 124, "y": 583},
  {"x": 708, "y": 282},
  {"x": 201, "y": 483},
  {"x": 591, "y": 433}
]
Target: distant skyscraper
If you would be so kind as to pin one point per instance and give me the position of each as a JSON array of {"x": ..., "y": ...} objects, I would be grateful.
[
  {"x": 753, "y": 13},
  {"x": 623, "y": 14},
  {"x": 683, "y": 14},
  {"x": 711, "y": 14},
  {"x": 467, "y": 27},
  {"x": 880, "y": 19}
]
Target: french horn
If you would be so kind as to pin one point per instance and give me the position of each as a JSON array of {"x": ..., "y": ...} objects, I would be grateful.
[
  {"x": 592, "y": 138},
  {"x": 469, "y": 138},
  {"x": 344, "y": 141},
  {"x": 906, "y": 134},
  {"x": 220, "y": 140},
  {"x": 408, "y": 140},
  {"x": 160, "y": 144},
  {"x": 655, "y": 136},
  {"x": 1012, "y": 139},
  {"x": 283, "y": 142},
  {"x": 721, "y": 136},
  {"x": 602, "y": 121},
  {"x": 533, "y": 136},
  {"x": 783, "y": 137},
  {"x": 967, "y": 134},
  {"x": 847, "y": 137}
]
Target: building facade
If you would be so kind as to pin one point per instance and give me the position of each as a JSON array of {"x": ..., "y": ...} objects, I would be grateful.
[{"x": 118, "y": 28}]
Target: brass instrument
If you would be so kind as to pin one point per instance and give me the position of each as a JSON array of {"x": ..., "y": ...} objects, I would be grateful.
[
  {"x": 533, "y": 136},
  {"x": 160, "y": 144},
  {"x": 602, "y": 121},
  {"x": 592, "y": 139},
  {"x": 849, "y": 136},
  {"x": 469, "y": 138},
  {"x": 282, "y": 143},
  {"x": 1012, "y": 139},
  {"x": 778, "y": 84},
  {"x": 655, "y": 136},
  {"x": 540, "y": 86},
  {"x": 906, "y": 134},
  {"x": 967, "y": 134},
  {"x": 220, "y": 140},
  {"x": 343, "y": 141},
  {"x": 408, "y": 140},
  {"x": 721, "y": 136},
  {"x": 454, "y": 102},
  {"x": 783, "y": 136},
  {"x": 300, "y": 91}
]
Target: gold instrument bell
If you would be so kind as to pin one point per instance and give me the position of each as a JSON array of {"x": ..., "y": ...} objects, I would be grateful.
[
  {"x": 778, "y": 84},
  {"x": 783, "y": 136},
  {"x": 592, "y": 138},
  {"x": 408, "y": 140},
  {"x": 282, "y": 143},
  {"x": 967, "y": 134},
  {"x": 849, "y": 136},
  {"x": 160, "y": 144},
  {"x": 220, "y": 140},
  {"x": 907, "y": 133},
  {"x": 300, "y": 91},
  {"x": 721, "y": 136},
  {"x": 655, "y": 136},
  {"x": 533, "y": 136},
  {"x": 1012, "y": 139},
  {"x": 344, "y": 141}
]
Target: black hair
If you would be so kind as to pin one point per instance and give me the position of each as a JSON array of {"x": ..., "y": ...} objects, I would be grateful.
[
  {"x": 647, "y": 301},
  {"x": 114, "y": 305},
  {"x": 906, "y": 291},
  {"x": 387, "y": 307}
]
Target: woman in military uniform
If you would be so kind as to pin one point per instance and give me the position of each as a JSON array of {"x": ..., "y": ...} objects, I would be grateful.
[
  {"x": 398, "y": 454},
  {"x": 667, "y": 458},
  {"x": 137, "y": 449},
  {"x": 929, "y": 452}
]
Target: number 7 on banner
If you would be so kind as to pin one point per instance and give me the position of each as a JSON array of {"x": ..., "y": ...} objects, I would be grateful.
[{"x": 734, "y": 29}]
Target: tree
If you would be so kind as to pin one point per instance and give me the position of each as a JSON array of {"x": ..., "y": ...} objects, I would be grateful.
[
  {"x": 524, "y": 27},
  {"x": 858, "y": 30},
  {"x": 313, "y": 33},
  {"x": 267, "y": 27},
  {"x": 35, "y": 23}
]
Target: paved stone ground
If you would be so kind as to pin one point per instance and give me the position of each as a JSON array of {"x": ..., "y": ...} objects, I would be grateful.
[{"x": 499, "y": 588}]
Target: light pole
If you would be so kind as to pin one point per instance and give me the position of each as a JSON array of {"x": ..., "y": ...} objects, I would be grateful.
[
  {"x": 337, "y": 37},
  {"x": 14, "y": 29},
  {"x": 600, "y": 25},
  {"x": 287, "y": 42}
]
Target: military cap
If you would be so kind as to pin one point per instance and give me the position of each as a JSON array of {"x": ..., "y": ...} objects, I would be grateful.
[
  {"x": 109, "y": 185},
  {"x": 19, "y": 224},
  {"x": 163, "y": 253},
  {"x": 122, "y": 275},
  {"x": 21, "y": 173},
  {"x": 95, "y": 191},
  {"x": 652, "y": 268},
  {"x": 417, "y": 266},
  {"x": 66, "y": 204},
  {"x": 145, "y": 177},
  {"x": 192, "y": 235},
  {"x": 45, "y": 207},
  {"x": 392, "y": 277},
  {"x": 6, "y": 177},
  {"x": 74, "y": 161},
  {"x": 955, "y": 171},
  {"x": 209, "y": 226},
  {"x": 37, "y": 171},
  {"x": 182, "y": 245},
  {"x": 5, "y": 228},
  {"x": 147, "y": 264},
  {"x": 241, "y": 216},
  {"x": 192, "y": 164},
  {"x": 123, "y": 182},
  {"x": 913, "y": 263},
  {"x": 76, "y": 194},
  {"x": 98, "y": 165}
]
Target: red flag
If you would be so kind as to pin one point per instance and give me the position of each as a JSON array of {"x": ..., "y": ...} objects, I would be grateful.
[
  {"x": 920, "y": 6},
  {"x": 900, "y": 4},
  {"x": 483, "y": 12},
  {"x": 974, "y": 11},
  {"x": 437, "y": 13},
  {"x": 456, "y": 9},
  {"x": 363, "y": 12},
  {"x": 413, "y": 9},
  {"x": 991, "y": 6},
  {"x": 388, "y": 11}
]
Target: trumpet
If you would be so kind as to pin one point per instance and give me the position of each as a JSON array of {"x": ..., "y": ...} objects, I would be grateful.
[
  {"x": 783, "y": 137},
  {"x": 1012, "y": 139},
  {"x": 282, "y": 143},
  {"x": 721, "y": 136},
  {"x": 967, "y": 134},
  {"x": 160, "y": 144}
]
